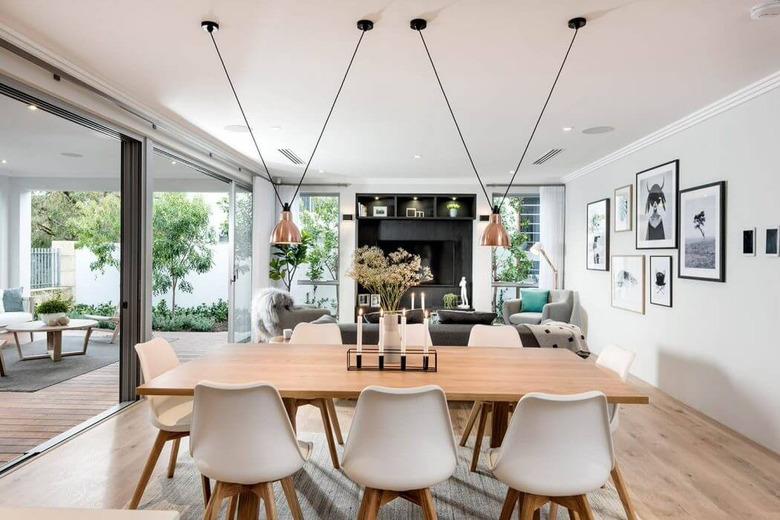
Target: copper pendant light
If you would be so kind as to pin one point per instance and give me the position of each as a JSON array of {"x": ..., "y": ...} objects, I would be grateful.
[
  {"x": 286, "y": 232},
  {"x": 495, "y": 234}
]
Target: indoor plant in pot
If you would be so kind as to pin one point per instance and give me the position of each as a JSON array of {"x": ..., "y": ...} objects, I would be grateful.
[
  {"x": 453, "y": 206},
  {"x": 54, "y": 311},
  {"x": 450, "y": 300}
]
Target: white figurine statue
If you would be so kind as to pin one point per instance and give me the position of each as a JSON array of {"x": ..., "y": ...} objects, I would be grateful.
[{"x": 464, "y": 297}]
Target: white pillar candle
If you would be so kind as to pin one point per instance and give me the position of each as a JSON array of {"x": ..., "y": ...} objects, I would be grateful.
[
  {"x": 381, "y": 330},
  {"x": 360, "y": 331},
  {"x": 412, "y": 301},
  {"x": 422, "y": 299},
  {"x": 426, "y": 321},
  {"x": 403, "y": 332}
]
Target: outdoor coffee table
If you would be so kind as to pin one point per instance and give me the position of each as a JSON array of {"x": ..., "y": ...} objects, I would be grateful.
[{"x": 53, "y": 337}]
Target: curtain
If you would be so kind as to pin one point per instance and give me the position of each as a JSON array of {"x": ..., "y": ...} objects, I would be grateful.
[{"x": 552, "y": 202}]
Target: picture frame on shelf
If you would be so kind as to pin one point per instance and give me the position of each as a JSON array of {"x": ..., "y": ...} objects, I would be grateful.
[
  {"x": 376, "y": 300},
  {"x": 420, "y": 214},
  {"x": 628, "y": 283},
  {"x": 364, "y": 300},
  {"x": 702, "y": 229},
  {"x": 772, "y": 241},
  {"x": 657, "y": 190},
  {"x": 597, "y": 226},
  {"x": 749, "y": 242},
  {"x": 661, "y": 280},
  {"x": 411, "y": 212},
  {"x": 379, "y": 211},
  {"x": 624, "y": 208}
]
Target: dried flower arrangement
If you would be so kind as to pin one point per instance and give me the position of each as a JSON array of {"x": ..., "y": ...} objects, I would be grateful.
[{"x": 389, "y": 276}]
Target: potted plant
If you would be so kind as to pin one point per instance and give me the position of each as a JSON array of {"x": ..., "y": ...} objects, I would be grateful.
[
  {"x": 450, "y": 300},
  {"x": 55, "y": 310},
  {"x": 453, "y": 206}
]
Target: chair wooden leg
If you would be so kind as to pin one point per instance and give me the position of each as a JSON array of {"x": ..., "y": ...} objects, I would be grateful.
[
  {"x": 151, "y": 462},
  {"x": 233, "y": 509},
  {"x": 334, "y": 420},
  {"x": 267, "y": 491},
  {"x": 622, "y": 489},
  {"x": 530, "y": 506},
  {"x": 205, "y": 485},
  {"x": 573, "y": 515},
  {"x": 288, "y": 486},
  {"x": 475, "y": 408},
  {"x": 174, "y": 456},
  {"x": 369, "y": 506},
  {"x": 483, "y": 416},
  {"x": 553, "y": 511},
  {"x": 512, "y": 496},
  {"x": 583, "y": 508},
  {"x": 213, "y": 506},
  {"x": 427, "y": 504},
  {"x": 334, "y": 456}
]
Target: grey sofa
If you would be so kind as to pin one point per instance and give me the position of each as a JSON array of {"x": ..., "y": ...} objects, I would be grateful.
[{"x": 560, "y": 307}]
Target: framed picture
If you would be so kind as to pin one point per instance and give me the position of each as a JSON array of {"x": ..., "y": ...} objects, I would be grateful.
[
  {"x": 598, "y": 236},
  {"x": 749, "y": 242},
  {"x": 772, "y": 241},
  {"x": 628, "y": 282},
  {"x": 364, "y": 299},
  {"x": 661, "y": 280},
  {"x": 656, "y": 206},
  {"x": 420, "y": 213},
  {"x": 380, "y": 211},
  {"x": 411, "y": 212},
  {"x": 376, "y": 300},
  {"x": 703, "y": 233},
  {"x": 624, "y": 208}
]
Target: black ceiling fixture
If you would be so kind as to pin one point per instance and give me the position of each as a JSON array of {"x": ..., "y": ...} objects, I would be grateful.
[
  {"x": 286, "y": 232},
  {"x": 495, "y": 234}
]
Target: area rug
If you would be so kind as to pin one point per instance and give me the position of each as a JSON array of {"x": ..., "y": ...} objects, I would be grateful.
[
  {"x": 326, "y": 493},
  {"x": 36, "y": 374}
]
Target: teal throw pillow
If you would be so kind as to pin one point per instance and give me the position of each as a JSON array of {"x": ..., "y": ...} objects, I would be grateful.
[
  {"x": 534, "y": 301},
  {"x": 12, "y": 300}
]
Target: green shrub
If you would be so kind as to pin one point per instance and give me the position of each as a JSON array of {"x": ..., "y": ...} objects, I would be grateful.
[
  {"x": 58, "y": 303},
  {"x": 183, "y": 322},
  {"x": 202, "y": 318},
  {"x": 450, "y": 300}
]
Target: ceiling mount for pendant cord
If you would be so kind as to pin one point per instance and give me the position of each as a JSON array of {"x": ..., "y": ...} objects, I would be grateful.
[
  {"x": 495, "y": 234},
  {"x": 286, "y": 232}
]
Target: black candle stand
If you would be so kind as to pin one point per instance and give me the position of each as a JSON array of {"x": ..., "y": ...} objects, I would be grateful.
[{"x": 414, "y": 360}]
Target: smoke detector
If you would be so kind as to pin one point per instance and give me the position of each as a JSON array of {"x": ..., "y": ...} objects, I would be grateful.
[{"x": 765, "y": 10}]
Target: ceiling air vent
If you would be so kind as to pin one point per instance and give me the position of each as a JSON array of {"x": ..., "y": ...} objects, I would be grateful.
[
  {"x": 549, "y": 155},
  {"x": 291, "y": 155}
]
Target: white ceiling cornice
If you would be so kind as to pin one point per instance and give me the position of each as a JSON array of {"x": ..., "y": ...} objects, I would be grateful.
[{"x": 753, "y": 90}]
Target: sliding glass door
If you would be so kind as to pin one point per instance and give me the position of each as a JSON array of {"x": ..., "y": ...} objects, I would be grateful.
[{"x": 240, "y": 323}]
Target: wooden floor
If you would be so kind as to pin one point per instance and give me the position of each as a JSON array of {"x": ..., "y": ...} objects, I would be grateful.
[{"x": 678, "y": 463}]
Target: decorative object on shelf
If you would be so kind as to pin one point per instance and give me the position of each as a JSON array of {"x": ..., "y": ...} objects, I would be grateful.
[
  {"x": 364, "y": 299},
  {"x": 494, "y": 234},
  {"x": 624, "y": 208},
  {"x": 450, "y": 300},
  {"x": 54, "y": 311},
  {"x": 772, "y": 241},
  {"x": 453, "y": 206},
  {"x": 411, "y": 212},
  {"x": 538, "y": 250},
  {"x": 376, "y": 300},
  {"x": 372, "y": 359},
  {"x": 598, "y": 235},
  {"x": 628, "y": 282},
  {"x": 703, "y": 233},
  {"x": 420, "y": 213},
  {"x": 464, "y": 294},
  {"x": 657, "y": 212},
  {"x": 285, "y": 232},
  {"x": 661, "y": 280},
  {"x": 749, "y": 242},
  {"x": 380, "y": 211},
  {"x": 362, "y": 210}
]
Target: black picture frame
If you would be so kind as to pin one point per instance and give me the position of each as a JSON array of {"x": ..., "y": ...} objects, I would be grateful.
[
  {"x": 607, "y": 222},
  {"x": 772, "y": 241},
  {"x": 721, "y": 233},
  {"x": 639, "y": 208},
  {"x": 669, "y": 279},
  {"x": 749, "y": 242}
]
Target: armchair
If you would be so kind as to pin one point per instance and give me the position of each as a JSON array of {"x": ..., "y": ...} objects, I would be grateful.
[{"x": 560, "y": 307}]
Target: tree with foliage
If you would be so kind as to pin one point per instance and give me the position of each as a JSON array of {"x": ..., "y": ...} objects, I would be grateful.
[
  {"x": 54, "y": 212},
  {"x": 513, "y": 265},
  {"x": 320, "y": 221},
  {"x": 96, "y": 225},
  {"x": 285, "y": 260}
]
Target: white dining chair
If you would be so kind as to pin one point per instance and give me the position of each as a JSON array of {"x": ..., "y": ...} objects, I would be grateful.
[
  {"x": 320, "y": 334},
  {"x": 400, "y": 444},
  {"x": 171, "y": 415},
  {"x": 618, "y": 360},
  {"x": 415, "y": 335},
  {"x": 243, "y": 439},
  {"x": 558, "y": 448},
  {"x": 486, "y": 336}
]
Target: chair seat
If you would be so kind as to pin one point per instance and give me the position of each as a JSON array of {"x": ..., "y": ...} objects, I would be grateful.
[
  {"x": 174, "y": 414},
  {"x": 398, "y": 473},
  {"x": 526, "y": 318}
]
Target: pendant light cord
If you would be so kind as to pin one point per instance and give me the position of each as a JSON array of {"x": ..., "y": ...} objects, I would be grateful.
[
  {"x": 539, "y": 119},
  {"x": 243, "y": 114},
  {"x": 330, "y": 112},
  {"x": 454, "y": 119}
]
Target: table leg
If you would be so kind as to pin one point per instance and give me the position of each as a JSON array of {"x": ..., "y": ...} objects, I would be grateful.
[
  {"x": 18, "y": 345},
  {"x": 499, "y": 423},
  {"x": 56, "y": 353},
  {"x": 2, "y": 366},
  {"x": 86, "y": 340},
  {"x": 292, "y": 411}
]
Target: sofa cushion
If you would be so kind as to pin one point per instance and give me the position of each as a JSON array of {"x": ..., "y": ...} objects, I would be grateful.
[
  {"x": 12, "y": 300},
  {"x": 526, "y": 318},
  {"x": 466, "y": 317},
  {"x": 325, "y": 318},
  {"x": 12, "y": 318},
  {"x": 534, "y": 300}
]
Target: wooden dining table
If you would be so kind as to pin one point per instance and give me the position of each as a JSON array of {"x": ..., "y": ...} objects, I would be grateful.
[{"x": 498, "y": 375}]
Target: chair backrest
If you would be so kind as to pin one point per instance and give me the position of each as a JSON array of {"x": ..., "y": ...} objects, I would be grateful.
[
  {"x": 416, "y": 333},
  {"x": 567, "y": 435},
  {"x": 242, "y": 434},
  {"x": 316, "y": 334},
  {"x": 617, "y": 359},
  {"x": 407, "y": 432},
  {"x": 156, "y": 357},
  {"x": 494, "y": 336}
]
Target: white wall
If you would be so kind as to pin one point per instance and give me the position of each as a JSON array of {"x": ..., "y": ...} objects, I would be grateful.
[
  {"x": 717, "y": 348},
  {"x": 4, "y": 221},
  {"x": 264, "y": 220}
]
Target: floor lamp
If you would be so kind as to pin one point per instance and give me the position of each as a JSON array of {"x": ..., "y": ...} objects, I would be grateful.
[{"x": 538, "y": 250}]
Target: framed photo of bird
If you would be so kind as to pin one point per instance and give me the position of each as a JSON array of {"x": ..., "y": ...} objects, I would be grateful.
[
  {"x": 703, "y": 233},
  {"x": 656, "y": 206},
  {"x": 661, "y": 280}
]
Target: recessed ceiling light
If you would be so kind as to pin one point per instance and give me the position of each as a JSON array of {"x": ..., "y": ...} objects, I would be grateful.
[
  {"x": 321, "y": 171},
  {"x": 240, "y": 129},
  {"x": 568, "y": 128},
  {"x": 511, "y": 171},
  {"x": 417, "y": 156},
  {"x": 173, "y": 162},
  {"x": 276, "y": 128},
  {"x": 4, "y": 161},
  {"x": 32, "y": 107},
  {"x": 74, "y": 155},
  {"x": 598, "y": 130},
  {"x": 765, "y": 10}
]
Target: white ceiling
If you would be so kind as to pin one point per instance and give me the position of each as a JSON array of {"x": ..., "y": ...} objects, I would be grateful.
[{"x": 637, "y": 66}]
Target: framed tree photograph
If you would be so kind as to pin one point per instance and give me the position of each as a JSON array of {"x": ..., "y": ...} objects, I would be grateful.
[
  {"x": 749, "y": 242},
  {"x": 624, "y": 208},
  {"x": 703, "y": 233},
  {"x": 656, "y": 206},
  {"x": 628, "y": 282},
  {"x": 598, "y": 236},
  {"x": 772, "y": 241},
  {"x": 661, "y": 280}
]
